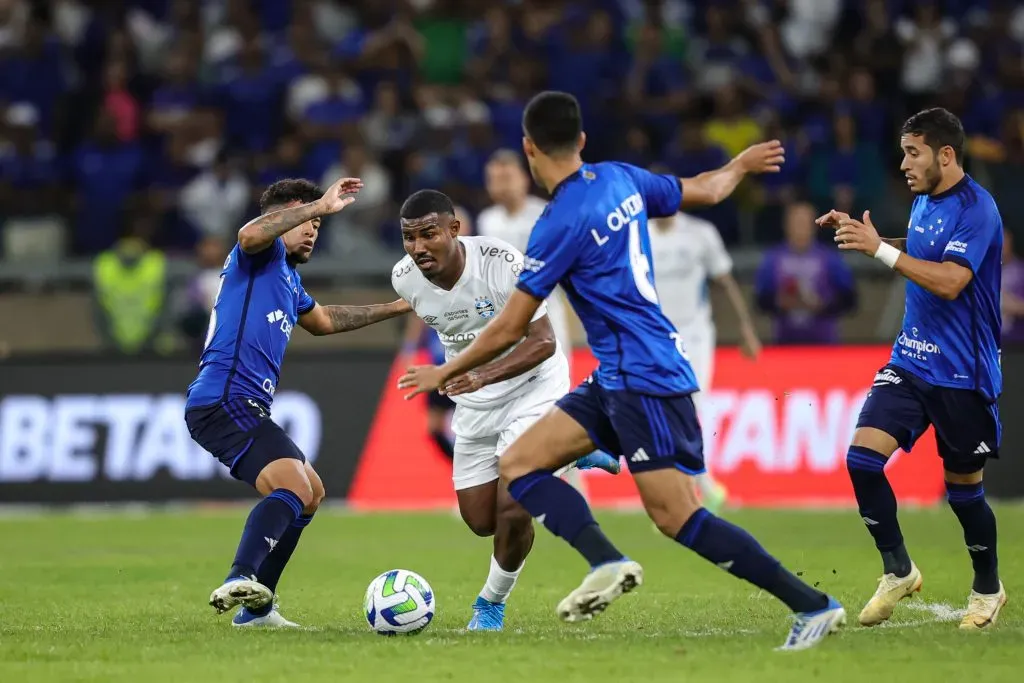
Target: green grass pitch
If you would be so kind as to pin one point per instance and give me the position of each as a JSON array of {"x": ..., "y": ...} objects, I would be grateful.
[{"x": 122, "y": 597}]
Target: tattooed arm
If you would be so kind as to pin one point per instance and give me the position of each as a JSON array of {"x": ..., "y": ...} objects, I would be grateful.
[
  {"x": 260, "y": 233},
  {"x": 323, "y": 320}
]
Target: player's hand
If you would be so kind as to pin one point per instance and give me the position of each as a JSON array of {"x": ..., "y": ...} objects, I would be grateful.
[
  {"x": 832, "y": 219},
  {"x": 339, "y": 195},
  {"x": 464, "y": 384},
  {"x": 858, "y": 235},
  {"x": 750, "y": 344},
  {"x": 764, "y": 157},
  {"x": 421, "y": 379}
]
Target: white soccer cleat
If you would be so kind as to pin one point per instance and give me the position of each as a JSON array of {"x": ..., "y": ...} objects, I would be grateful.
[
  {"x": 272, "y": 619},
  {"x": 601, "y": 587},
  {"x": 810, "y": 628},
  {"x": 891, "y": 589},
  {"x": 983, "y": 610},
  {"x": 244, "y": 591}
]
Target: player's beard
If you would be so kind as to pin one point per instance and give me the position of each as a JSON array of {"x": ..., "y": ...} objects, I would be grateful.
[{"x": 932, "y": 177}]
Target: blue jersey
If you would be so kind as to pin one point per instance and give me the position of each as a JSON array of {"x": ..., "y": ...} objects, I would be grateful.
[
  {"x": 592, "y": 240},
  {"x": 259, "y": 301},
  {"x": 955, "y": 343}
]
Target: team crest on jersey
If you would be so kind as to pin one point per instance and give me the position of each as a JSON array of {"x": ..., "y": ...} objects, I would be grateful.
[
  {"x": 484, "y": 307},
  {"x": 589, "y": 175}
]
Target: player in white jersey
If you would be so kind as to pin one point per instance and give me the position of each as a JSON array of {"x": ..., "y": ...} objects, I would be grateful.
[
  {"x": 511, "y": 218},
  {"x": 456, "y": 285},
  {"x": 688, "y": 253}
]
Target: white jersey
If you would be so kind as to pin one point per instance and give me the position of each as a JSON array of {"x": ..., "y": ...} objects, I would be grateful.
[
  {"x": 685, "y": 257},
  {"x": 460, "y": 314},
  {"x": 495, "y": 221}
]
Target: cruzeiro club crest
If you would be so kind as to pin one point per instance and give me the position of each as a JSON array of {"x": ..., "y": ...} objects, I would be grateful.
[{"x": 484, "y": 307}]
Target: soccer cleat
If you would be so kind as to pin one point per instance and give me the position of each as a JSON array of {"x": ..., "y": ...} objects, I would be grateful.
[
  {"x": 241, "y": 590},
  {"x": 810, "y": 628},
  {"x": 891, "y": 589},
  {"x": 602, "y": 586},
  {"x": 487, "y": 616},
  {"x": 272, "y": 619},
  {"x": 601, "y": 461},
  {"x": 983, "y": 610}
]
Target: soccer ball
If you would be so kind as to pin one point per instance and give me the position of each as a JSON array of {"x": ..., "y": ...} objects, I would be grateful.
[{"x": 398, "y": 601}]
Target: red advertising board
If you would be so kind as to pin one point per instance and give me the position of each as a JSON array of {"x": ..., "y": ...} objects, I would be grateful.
[{"x": 775, "y": 433}]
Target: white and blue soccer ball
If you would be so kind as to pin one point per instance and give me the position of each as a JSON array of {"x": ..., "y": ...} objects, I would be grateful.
[{"x": 398, "y": 602}]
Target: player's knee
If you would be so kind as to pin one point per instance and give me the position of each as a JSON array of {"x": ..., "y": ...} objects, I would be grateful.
[
  {"x": 318, "y": 494},
  {"x": 669, "y": 520},
  {"x": 481, "y": 525},
  {"x": 514, "y": 517}
]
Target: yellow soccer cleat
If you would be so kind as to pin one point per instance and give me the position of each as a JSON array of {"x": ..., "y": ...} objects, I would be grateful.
[
  {"x": 983, "y": 610},
  {"x": 891, "y": 589}
]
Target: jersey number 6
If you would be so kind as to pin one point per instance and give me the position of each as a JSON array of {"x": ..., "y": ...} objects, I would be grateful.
[{"x": 640, "y": 265}]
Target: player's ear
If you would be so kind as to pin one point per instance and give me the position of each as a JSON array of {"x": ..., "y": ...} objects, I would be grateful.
[
  {"x": 454, "y": 227},
  {"x": 581, "y": 142},
  {"x": 528, "y": 147}
]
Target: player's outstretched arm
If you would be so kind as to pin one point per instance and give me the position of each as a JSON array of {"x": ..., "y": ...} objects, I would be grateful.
[
  {"x": 260, "y": 233},
  {"x": 334, "y": 319},
  {"x": 713, "y": 187},
  {"x": 538, "y": 346},
  {"x": 750, "y": 342},
  {"x": 945, "y": 279},
  {"x": 511, "y": 325}
]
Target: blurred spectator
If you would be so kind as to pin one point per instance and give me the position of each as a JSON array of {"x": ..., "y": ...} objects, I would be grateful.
[
  {"x": 34, "y": 70},
  {"x": 29, "y": 178},
  {"x": 214, "y": 202},
  {"x": 431, "y": 87},
  {"x": 848, "y": 174},
  {"x": 119, "y": 102},
  {"x": 371, "y": 207},
  {"x": 130, "y": 288},
  {"x": 925, "y": 37},
  {"x": 691, "y": 154},
  {"x": 804, "y": 284},
  {"x": 107, "y": 173},
  {"x": 201, "y": 291},
  {"x": 1012, "y": 292}
]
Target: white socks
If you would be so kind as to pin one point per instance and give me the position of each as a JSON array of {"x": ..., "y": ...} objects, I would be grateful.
[{"x": 499, "y": 583}]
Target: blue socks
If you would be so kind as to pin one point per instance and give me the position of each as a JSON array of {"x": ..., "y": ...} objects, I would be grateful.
[
  {"x": 877, "y": 504},
  {"x": 264, "y": 529},
  {"x": 564, "y": 512},
  {"x": 270, "y": 571},
  {"x": 979, "y": 524},
  {"x": 739, "y": 553}
]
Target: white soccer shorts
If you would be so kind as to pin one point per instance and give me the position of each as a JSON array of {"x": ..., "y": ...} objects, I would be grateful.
[{"x": 481, "y": 436}]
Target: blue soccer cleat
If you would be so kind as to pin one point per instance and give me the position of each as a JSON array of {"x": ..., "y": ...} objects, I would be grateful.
[
  {"x": 487, "y": 616},
  {"x": 810, "y": 628},
  {"x": 599, "y": 460}
]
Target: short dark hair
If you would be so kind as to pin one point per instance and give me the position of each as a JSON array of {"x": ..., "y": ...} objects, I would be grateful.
[
  {"x": 426, "y": 201},
  {"x": 553, "y": 122},
  {"x": 290, "y": 190},
  {"x": 940, "y": 128}
]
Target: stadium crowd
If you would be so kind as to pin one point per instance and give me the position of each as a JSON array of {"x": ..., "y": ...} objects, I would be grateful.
[{"x": 173, "y": 115}]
